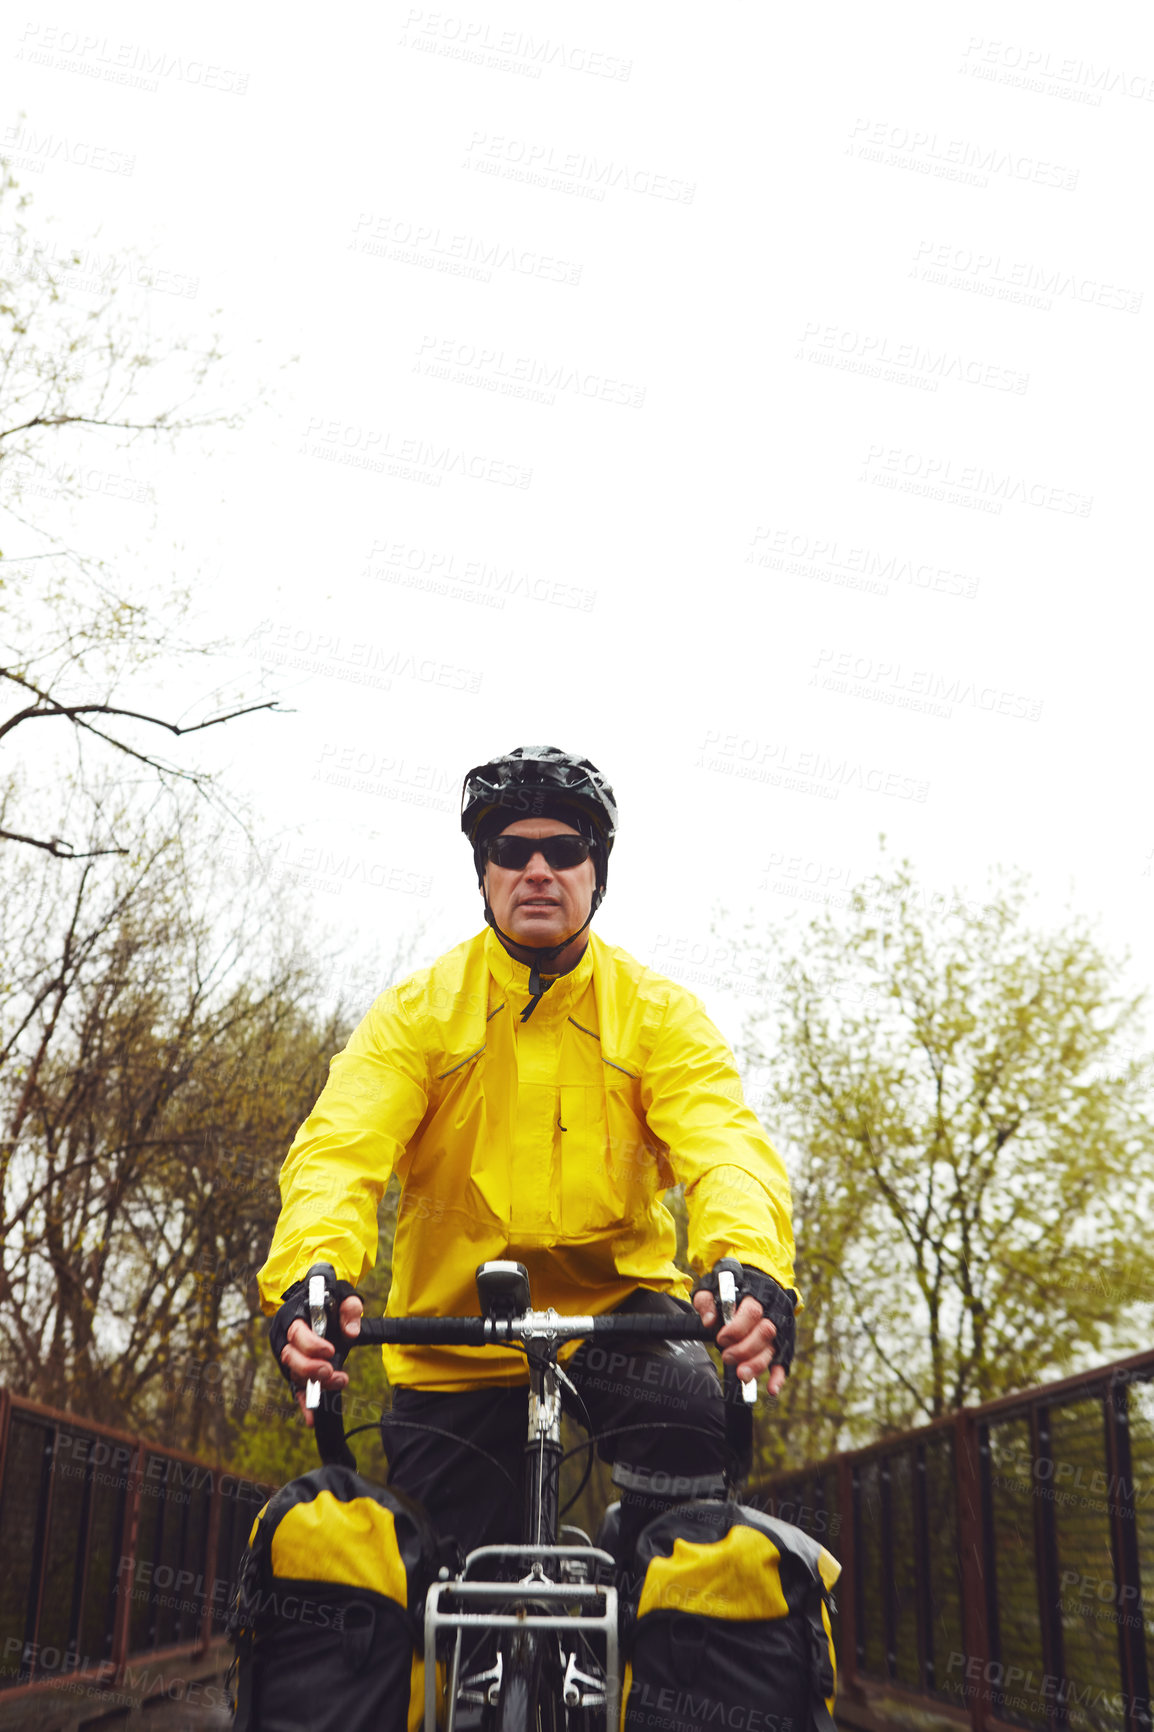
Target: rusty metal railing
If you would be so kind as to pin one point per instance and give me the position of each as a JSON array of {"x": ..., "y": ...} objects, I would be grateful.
[
  {"x": 114, "y": 1551},
  {"x": 998, "y": 1565}
]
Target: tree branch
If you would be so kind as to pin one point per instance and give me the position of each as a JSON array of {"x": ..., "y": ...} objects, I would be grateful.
[
  {"x": 159, "y": 425},
  {"x": 75, "y": 711},
  {"x": 60, "y": 849}
]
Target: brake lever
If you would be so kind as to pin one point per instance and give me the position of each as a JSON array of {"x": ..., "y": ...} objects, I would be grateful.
[
  {"x": 727, "y": 1297},
  {"x": 318, "y": 1320}
]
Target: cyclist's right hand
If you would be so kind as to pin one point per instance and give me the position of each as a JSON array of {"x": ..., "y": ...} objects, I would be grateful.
[{"x": 307, "y": 1355}]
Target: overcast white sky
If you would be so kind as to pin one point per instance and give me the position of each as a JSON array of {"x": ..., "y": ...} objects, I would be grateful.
[{"x": 755, "y": 400}]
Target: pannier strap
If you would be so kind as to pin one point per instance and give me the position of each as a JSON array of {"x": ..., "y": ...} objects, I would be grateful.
[
  {"x": 821, "y": 1664},
  {"x": 243, "y": 1663},
  {"x": 240, "y": 1631},
  {"x": 676, "y": 1486}
]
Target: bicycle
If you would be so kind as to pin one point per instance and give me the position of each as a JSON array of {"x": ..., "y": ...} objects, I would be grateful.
[{"x": 557, "y": 1618}]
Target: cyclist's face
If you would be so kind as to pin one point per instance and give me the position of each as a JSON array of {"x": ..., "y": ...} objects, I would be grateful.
[{"x": 540, "y": 904}]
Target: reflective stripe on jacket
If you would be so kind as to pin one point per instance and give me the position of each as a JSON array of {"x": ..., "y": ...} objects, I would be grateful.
[{"x": 549, "y": 1141}]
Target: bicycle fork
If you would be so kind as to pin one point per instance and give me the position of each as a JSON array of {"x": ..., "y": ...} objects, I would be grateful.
[{"x": 543, "y": 1456}]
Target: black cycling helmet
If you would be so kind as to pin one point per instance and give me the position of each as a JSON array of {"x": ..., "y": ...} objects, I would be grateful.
[{"x": 540, "y": 782}]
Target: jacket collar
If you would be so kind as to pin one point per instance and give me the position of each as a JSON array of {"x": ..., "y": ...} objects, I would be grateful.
[{"x": 512, "y": 977}]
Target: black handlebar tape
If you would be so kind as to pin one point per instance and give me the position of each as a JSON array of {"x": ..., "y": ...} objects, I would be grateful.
[
  {"x": 478, "y": 1332},
  {"x": 329, "y": 1430},
  {"x": 688, "y": 1328},
  {"x": 328, "y": 1420},
  {"x": 422, "y": 1331}
]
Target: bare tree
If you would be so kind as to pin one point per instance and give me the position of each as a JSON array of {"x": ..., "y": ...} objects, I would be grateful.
[
  {"x": 155, "y": 1063},
  {"x": 80, "y": 386},
  {"x": 153, "y": 1068}
]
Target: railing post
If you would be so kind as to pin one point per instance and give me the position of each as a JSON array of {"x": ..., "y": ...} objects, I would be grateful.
[
  {"x": 1046, "y": 1559},
  {"x": 848, "y": 1583},
  {"x": 889, "y": 1584},
  {"x": 922, "y": 1576},
  {"x": 130, "y": 1527},
  {"x": 212, "y": 1542},
  {"x": 5, "y": 1417},
  {"x": 40, "y": 1550},
  {"x": 1127, "y": 1564},
  {"x": 975, "y": 1566},
  {"x": 80, "y": 1574}
]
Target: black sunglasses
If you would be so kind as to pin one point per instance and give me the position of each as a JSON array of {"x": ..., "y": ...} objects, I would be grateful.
[{"x": 515, "y": 852}]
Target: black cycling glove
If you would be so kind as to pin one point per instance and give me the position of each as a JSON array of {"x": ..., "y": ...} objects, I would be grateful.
[
  {"x": 776, "y": 1302},
  {"x": 295, "y": 1303}
]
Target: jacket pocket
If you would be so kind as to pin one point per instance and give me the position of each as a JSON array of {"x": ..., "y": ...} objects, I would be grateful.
[{"x": 609, "y": 1166}]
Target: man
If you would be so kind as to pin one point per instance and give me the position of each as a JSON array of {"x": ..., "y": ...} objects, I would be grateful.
[{"x": 537, "y": 1090}]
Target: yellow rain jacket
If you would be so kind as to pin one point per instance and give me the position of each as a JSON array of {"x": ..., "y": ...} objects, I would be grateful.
[{"x": 548, "y": 1141}]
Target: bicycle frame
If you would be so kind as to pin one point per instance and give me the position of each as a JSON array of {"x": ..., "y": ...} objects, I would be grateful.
[
  {"x": 579, "y": 1608},
  {"x": 558, "y": 1592}
]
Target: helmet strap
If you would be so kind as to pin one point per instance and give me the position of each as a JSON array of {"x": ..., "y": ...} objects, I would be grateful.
[{"x": 543, "y": 954}]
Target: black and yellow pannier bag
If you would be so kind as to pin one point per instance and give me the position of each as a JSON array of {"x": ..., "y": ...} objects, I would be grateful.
[
  {"x": 328, "y": 1615},
  {"x": 728, "y": 1625}
]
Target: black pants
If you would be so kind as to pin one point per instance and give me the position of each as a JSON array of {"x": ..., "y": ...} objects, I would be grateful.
[{"x": 637, "y": 1382}]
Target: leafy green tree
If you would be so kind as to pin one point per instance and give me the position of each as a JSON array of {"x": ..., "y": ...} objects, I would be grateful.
[{"x": 964, "y": 1102}]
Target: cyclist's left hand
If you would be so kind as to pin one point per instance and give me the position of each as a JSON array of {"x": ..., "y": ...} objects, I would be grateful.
[
  {"x": 308, "y": 1355},
  {"x": 747, "y": 1342}
]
